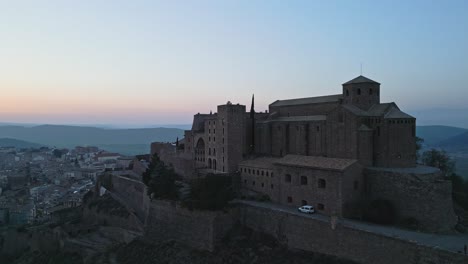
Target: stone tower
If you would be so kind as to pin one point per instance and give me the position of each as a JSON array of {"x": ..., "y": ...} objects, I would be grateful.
[
  {"x": 231, "y": 136},
  {"x": 361, "y": 92}
]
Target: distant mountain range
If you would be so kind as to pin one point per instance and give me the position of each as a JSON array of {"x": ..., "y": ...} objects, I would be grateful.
[
  {"x": 125, "y": 141},
  {"x": 454, "y": 140},
  {"x": 455, "y": 143},
  {"x": 435, "y": 135},
  {"x": 11, "y": 142}
]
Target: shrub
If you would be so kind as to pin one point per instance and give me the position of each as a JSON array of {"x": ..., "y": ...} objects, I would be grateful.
[{"x": 210, "y": 193}]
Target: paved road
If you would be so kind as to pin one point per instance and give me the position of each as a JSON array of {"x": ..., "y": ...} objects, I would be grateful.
[{"x": 453, "y": 242}]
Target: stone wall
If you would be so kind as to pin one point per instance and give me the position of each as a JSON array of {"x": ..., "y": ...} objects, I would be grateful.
[
  {"x": 419, "y": 193},
  {"x": 198, "y": 229},
  {"x": 183, "y": 163},
  {"x": 133, "y": 192},
  {"x": 301, "y": 233}
]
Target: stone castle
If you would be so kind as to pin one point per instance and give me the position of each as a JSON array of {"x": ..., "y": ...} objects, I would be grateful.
[{"x": 336, "y": 152}]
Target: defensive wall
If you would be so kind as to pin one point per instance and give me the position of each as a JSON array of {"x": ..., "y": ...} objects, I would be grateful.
[
  {"x": 301, "y": 233},
  {"x": 182, "y": 163},
  {"x": 133, "y": 192},
  {"x": 199, "y": 229},
  {"x": 417, "y": 193},
  {"x": 205, "y": 229}
]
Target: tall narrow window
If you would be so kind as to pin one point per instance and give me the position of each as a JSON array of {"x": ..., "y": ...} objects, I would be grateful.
[
  {"x": 303, "y": 180},
  {"x": 359, "y": 91},
  {"x": 287, "y": 178},
  {"x": 322, "y": 183}
]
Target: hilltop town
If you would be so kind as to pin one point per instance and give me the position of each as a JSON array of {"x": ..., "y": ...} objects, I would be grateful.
[{"x": 234, "y": 184}]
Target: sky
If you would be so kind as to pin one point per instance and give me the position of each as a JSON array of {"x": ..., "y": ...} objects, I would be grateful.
[{"x": 160, "y": 62}]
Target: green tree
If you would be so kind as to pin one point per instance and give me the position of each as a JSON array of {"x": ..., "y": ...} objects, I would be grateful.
[
  {"x": 160, "y": 179},
  {"x": 439, "y": 159}
]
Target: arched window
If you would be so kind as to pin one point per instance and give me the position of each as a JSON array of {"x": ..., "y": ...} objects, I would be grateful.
[
  {"x": 359, "y": 91},
  {"x": 287, "y": 178},
  {"x": 303, "y": 180},
  {"x": 322, "y": 183}
]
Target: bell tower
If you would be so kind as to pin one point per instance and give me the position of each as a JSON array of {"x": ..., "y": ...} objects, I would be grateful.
[{"x": 361, "y": 92}]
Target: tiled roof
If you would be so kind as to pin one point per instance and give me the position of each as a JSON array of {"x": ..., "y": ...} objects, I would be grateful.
[
  {"x": 308, "y": 100},
  {"x": 360, "y": 79},
  {"x": 262, "y": 162},
  {"x": 316, "y": 162},
  {"x": 297, "y": 119},
  {"x": 380, "y": 109},
  {"x": 386, "y": 110},
  {"x": 396, "y": 113}
]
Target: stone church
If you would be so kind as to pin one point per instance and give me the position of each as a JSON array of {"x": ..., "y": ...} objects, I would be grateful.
[{"x": 336, "y": 152}]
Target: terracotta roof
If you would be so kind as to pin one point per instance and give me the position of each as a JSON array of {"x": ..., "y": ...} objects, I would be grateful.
[
  {"x": 316, "y": 162},
  {"x": 360, "y": 79},
  {"x": 308, "y": 100}
]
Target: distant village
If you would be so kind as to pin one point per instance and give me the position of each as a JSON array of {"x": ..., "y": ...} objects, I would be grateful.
[{"x": 35, "y": 183}]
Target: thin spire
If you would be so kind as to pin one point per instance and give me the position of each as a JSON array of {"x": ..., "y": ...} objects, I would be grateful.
[{"x": 252, "y": 107}]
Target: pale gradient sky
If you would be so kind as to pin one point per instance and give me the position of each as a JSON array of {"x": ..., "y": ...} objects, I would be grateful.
[{"x": 159, "y": 62}]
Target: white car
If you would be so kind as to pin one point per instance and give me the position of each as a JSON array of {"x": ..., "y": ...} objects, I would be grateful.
[{"x": 306, "y": 209}]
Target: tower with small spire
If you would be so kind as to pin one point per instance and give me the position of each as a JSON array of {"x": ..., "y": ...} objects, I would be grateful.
[{"x": 361, "y": 92}]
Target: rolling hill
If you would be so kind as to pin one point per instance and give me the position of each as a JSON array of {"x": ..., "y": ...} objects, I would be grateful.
[
  {"x": 432, "y": 135},
  {"x": 11, "y": 142},
  {"x": 125, "y": 141},
  {"x": 455, "y": 143}
]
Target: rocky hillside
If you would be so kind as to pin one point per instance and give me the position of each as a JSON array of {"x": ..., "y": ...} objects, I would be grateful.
[{"x": 239, "y": 247}]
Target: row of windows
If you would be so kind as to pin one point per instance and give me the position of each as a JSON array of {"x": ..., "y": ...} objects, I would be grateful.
[
  {"x": 209, "y": 131},
  {"x": 401, "y": 121},
  {"x": 272, "y": 186},
  {"x": 258, "y": 172},
  {"x": 297, "y": 127},
  {"x": 359, "y": 92},
  {"x": 321, "y": 183}
]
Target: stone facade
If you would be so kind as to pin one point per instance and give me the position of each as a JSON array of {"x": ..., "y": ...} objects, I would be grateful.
[{"x": 296, "y": 151}]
